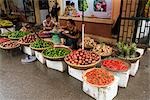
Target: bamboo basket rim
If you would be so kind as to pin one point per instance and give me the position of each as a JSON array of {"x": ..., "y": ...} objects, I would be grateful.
[
  {"x": 99, "y": 86},
  {"x": 127, "y": 63},
  {"x": 12, "y": 38},
  {"x": 9, "y": 48},
  {"x": 132, "y": 59}
]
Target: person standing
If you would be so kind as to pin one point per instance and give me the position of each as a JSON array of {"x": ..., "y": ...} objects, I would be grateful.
[{"x": 55, "y": 10}]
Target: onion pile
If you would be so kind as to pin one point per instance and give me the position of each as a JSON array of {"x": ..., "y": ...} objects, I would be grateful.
[{"x": 82, "y": 57}]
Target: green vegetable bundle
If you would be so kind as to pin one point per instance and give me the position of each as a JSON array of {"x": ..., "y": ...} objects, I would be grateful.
[
  {"x": 5, "y": 23},
  {"x": 58, "y": 52},
  {"x": 126, "y": 50},
  {"x": 17, "y": 34},
  {"x": 41, "y": 44},
  {"x": 82, "y": 5}
]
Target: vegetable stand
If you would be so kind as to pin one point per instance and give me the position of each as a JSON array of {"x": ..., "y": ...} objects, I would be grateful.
[
  {"x": 100, "y": 92},
  {"x": 119, "y": 68},
  {"x": 40, "y": 45},
  {"x": 55, "y": 57},
  {"x": 79, "y": 61}
]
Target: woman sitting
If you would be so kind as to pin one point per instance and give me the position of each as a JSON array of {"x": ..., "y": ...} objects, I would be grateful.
[
  {"x": 72, "y": 36},
  {"x": 48, "y": 24}
]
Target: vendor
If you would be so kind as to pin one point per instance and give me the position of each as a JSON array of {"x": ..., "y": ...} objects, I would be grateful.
[
  {"x": 72, "y": 36},
  {"x": 48, "y": 24}
]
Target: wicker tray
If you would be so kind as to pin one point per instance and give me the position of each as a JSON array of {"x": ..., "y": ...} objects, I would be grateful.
[
  {"x": 40, "y": 49},
  {"x": 99, "y": 86},
  {"x": 26, "y": 44},
  {"x": 127, "y": 63},
  {"x": 13, "y": 38},
  {"x": 132, "y": 60},
  {"x": 57, "y": 58},
  {"x": 82, "y": 67},
  {"x": 9, "y": 48}
]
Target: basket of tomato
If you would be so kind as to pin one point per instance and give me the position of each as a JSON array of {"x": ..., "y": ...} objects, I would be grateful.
[
  {"x": 98, "y": 77},
  {"x": 115, "y": 64},
  {"x": 82, "y": 59}
]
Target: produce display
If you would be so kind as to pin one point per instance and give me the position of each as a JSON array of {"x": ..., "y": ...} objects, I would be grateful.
[
  {"x": 9, "y": 45},
  {"x": 5, "y": 23},
  {"x": 41, "y": 44},
  {"x": 115, "y": 65},
  {"x": 5, "y": 34},
  {"x": 82, "y": 5},
  {"x": 126, "y": 50},
  {"x": 28, "y": 39},
  {"x": 56, "y": 53},
  {"x": 44, "y": 35},
  {"x": 17, "y": 34},
  {"x": 102, "y": 49},
  {"x": 98, "y": 77},
  {"x": 89, "y": 43},
  {"x": 82, "y": 57},
  {"x": 3, "y": 40}
]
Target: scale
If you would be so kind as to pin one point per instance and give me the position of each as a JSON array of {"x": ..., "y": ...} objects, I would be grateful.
[{"x": 55, "y": 36}]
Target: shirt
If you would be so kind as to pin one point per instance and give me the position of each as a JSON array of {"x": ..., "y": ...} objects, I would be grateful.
[{"x": 46, "y": 24}]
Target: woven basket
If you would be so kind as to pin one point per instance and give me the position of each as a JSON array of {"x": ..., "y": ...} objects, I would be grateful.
[
  {"x": 127, "y": 63},
  {"x": 26, "y": 44},
  {"x": 82, "y": 67},
  {"x": 132, "y": 60},
  {"x": 9, "y": 48},
  {"x": 12, "y": 38},
  {"x": 41, "y": 49},
  {"x": 57, "y": 58},
  {"x": 99, "y": 86},
  {"x": 38, "y": 49}
]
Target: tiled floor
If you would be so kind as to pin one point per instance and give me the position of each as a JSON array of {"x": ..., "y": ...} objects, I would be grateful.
[{"x": 36, "y": 82}]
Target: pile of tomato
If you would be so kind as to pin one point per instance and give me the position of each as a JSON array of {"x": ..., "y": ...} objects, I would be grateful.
[
  {"x": 115, "y": 65},
  {"x": 99, "y": 77},
  {"x": 82, "y": 57},
  {"x": 3, "y": 40}
]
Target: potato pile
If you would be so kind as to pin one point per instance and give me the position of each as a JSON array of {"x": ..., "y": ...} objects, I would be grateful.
[
  {"x": 89, "y": 42},
  {"x": 102, "y": 49}
]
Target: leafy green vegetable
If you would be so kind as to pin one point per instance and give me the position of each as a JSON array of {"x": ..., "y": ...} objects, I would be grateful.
[
  {"x": 126, "y": 50},
  {"x": 17, "y": 34}
]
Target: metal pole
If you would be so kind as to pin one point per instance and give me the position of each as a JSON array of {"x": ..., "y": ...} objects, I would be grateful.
[
  {"x": 56, "y": 11},
  {"x": 83, "y": 25}
]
